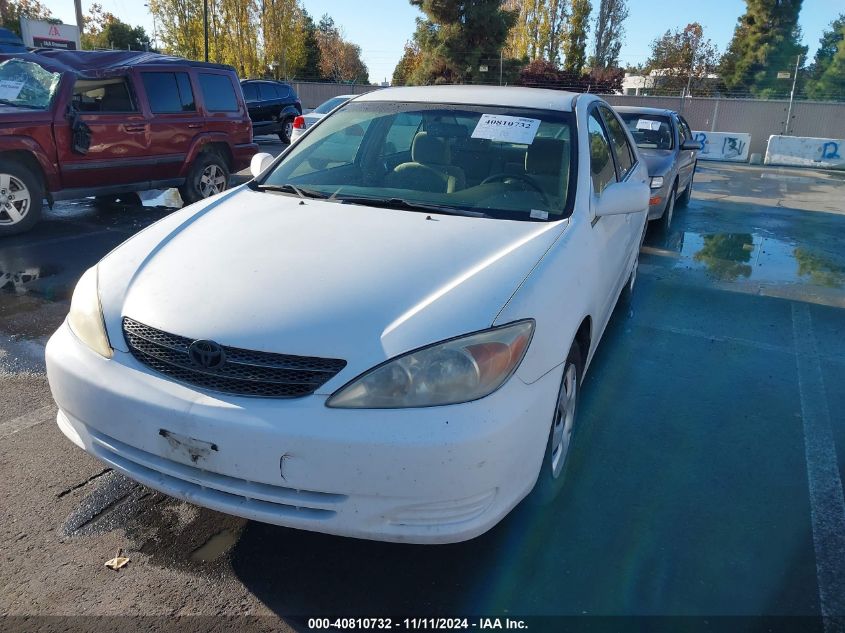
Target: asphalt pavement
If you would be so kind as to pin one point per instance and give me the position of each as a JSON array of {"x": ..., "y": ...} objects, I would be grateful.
[{"x": 705, "y": 477}]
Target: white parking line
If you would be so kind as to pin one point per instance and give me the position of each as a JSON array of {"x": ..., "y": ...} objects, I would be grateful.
[
  {"x": 827, "y": 504},
  {"x": 37, "y": 416}
]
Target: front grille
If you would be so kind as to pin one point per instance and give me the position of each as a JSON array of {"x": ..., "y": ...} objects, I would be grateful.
[{"x": 244, "y": 372}]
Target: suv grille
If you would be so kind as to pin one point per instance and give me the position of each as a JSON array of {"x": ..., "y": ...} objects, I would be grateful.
[{"x": 244, "y": 372}]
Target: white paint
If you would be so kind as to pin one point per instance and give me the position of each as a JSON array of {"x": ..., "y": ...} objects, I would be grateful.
[
  {"x": 40, "y": 34},
  {"x": 507, "y": 129},
  {"x": 827, "y": 505},
  {"x": 727, "y": 146},
  {"x": 805, "y": 151}
]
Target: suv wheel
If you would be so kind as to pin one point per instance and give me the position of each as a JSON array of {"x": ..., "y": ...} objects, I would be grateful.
[
  {"x": 287, "y": 130},
  {"x": 209, "y": 175},
  {"x": 21, "y": 197}
]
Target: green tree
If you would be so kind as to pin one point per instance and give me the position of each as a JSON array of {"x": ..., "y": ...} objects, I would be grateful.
[
  {"x": 609, "y": 32},
  {"x": 283, "y": 30},
  {"x": 102, "y": 29},
  {"x": 827, "y": 73},
  {"x": 683, "y": 58},
  {"x": 458, "y": 37},
  {"x": 311, "y": 66},
  {"x": 407, "y": 65},
  {"x": 11, "y": 12},
  {"x": 766, "y": 40},
  {"x": 575, "y": 43}
]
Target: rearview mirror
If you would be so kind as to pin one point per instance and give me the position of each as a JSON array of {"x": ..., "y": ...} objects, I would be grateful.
[
  {"x": 259, "y": 163},
  {"x": 623, "y": 197},
  {"x": 691, "y": 146}
]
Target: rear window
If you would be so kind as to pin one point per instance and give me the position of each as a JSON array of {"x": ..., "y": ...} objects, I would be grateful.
[
  {"x": 331, "y": 104},
  {"x": 169, "y": 92},
  {"x": 649, "y": 131},
  {"x": 219, "y": 93}
]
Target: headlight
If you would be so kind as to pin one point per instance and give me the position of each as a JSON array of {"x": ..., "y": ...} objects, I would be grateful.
[
  {"x": 458, "y": 370},
  {"x": 657, "y": 182},
  {"x": 86, "y": 316}
]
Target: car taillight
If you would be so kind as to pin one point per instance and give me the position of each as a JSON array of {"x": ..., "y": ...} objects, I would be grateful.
[{"x": 299, "y": 123}]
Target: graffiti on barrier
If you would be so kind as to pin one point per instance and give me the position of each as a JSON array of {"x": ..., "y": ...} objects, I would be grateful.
[
  {"x": 723, "y": 145},
  {"x": 830, "y": 151}
]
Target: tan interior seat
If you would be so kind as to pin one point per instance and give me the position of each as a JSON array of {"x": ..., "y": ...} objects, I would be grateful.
[{"x": 429, "y": 169}]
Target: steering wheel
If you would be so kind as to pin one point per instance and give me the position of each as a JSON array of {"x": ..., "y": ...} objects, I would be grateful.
[{"x": 528, "y": 180}]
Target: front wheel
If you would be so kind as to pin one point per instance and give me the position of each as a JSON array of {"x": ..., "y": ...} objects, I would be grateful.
[
  {"x": 555, "y": 460},
  {"x": 209, "y": 175},
  {"x": 286, "y": 131},
  {"x": 21, "y": 197}
]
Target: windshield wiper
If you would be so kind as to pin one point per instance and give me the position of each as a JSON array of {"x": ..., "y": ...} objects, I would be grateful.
[
  {"x": 19, "y": 105},
  {"x": 400, "y": 203},
  {"x": 302, "y": 192}
]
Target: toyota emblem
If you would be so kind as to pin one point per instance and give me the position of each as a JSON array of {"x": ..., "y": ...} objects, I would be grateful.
[{"x": 206, "y": 354}]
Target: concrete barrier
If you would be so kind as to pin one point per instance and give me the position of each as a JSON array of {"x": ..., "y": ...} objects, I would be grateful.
[
  {"x": 731, "y": 146},
  {"x": 804, "y": 151}
]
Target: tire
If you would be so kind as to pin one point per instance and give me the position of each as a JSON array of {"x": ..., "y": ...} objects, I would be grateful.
[
  {"x": 21, "y": 197},
  {"x": 669, "y": 209},
  {"x": 558, "y": 447},
  {"x": 209, "y": 175},
  {"x": 286, "y": 131},
  {"x": 685, "y": 197}
]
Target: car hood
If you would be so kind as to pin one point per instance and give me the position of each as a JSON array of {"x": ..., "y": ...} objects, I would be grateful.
[
  {"x": 658, "y": 161},
  {"x": 269, "y": 272}
]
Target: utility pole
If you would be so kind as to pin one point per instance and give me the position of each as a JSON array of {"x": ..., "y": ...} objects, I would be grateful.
[
  {"x": 204, "y": 26},
  {"x": 792, "y": 96},
  {"x": 77, "y": 5},
  {"x": 501, "y": 59}
]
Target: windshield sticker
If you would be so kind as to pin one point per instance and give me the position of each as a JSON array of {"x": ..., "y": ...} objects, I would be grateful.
[
  {"x": 645, "y": 124},
  {"x": 536, "y": 214},
  {"x": 506, "y": 129},
  {"x": 10, "y": 89}
]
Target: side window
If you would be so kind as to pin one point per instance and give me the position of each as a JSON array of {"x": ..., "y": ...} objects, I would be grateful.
[
  {"x": 601, "y": 162},
  {"x": 267, "y": 92},
  {"x": 250, "y": 92},
  {"x": 621, "y": 148},
  {"x": 103, "y": 95},
  {"x": 682, "y": 135},
  {"x": 687, "y": 131},
  {"x": 284, "y": 92},
  {"x": 218, "y": 92},
  {"x": 401, "y": 134},
  {"x": 169, "y": 92}
]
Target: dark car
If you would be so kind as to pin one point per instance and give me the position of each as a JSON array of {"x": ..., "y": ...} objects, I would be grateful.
[
  {"x": 75, "y": 124},
  {"x": 273, "y": 106},
  {"x": 665, "y": 142},
  {"x": 10, "y": 43}
]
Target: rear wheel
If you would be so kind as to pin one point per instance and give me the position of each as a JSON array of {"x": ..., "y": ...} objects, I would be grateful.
[
  {"x": 287, "y": 130},
  {"x": 209, "y": 175},
  {"x": 21, "y": 197}
]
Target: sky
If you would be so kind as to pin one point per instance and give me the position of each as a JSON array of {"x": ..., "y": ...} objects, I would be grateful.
[{"x": 381, "y": 27}]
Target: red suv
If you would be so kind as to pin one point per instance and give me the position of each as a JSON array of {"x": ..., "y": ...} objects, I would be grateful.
[{"x": 75, "y": 124}]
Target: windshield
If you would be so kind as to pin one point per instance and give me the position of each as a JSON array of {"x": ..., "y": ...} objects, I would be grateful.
[
  {"x": 26, "y": 84},
  {"x": 331, "y": 104},
  {"x": 650, "y": 131},
  {"x": 501, "y": 162}
]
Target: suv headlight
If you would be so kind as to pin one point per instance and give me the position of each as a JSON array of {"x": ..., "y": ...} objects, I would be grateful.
[
  {"x": 458, "y": 370},
  {"x": 657, "y": 182},
  {"x": 86, "y": 316}
]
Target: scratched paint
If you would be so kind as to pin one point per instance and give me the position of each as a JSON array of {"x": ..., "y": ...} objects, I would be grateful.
[{"x": 824, "y": 153}]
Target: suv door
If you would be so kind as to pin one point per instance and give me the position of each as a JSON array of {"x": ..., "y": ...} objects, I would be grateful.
[
  {"x": 119, "y": 138},
  {"x": 175, "y": 121}
]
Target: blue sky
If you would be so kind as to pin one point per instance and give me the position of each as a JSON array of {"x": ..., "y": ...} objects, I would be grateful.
[{"x": 381, "y": 27}]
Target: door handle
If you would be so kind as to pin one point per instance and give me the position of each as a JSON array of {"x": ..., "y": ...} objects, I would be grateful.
[
  {"x": 136, "y": 128},
  {"x": 194, "y": 126}
]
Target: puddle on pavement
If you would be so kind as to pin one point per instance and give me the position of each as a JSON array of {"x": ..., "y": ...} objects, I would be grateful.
[
  {"x": 215, "y": 547},
  {"x": 745, "y": 256}
]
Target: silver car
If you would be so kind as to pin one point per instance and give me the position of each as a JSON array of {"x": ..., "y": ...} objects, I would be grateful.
[
  {"x": 302, "y": 123},
  {"x": 666, "y": 143}
]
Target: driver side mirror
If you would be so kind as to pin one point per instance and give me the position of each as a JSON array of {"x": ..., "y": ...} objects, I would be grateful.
[
  {"x": 623, "y": 197},
  {"x": 259, "y": 163},
  {"x": 692, "y": 146}
]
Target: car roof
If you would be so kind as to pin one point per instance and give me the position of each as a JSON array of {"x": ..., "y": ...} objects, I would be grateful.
[
  {"x": 265, "y": 81},
  {"x": 645, "y": 110},
  {"x": 100, "y": 64},
  {"x": 539, "y": 98}
]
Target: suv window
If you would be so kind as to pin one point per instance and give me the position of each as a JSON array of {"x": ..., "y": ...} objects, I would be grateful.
[
  {"x": 250, "y": 92},
  {"x": 267, "y": 92},
  {"x": 601, "y": 162},
  {"x": 103, "y": 95},
  {"x": 621, "y": 148},
  {"x": 284, "y": 91},
  {"x": 218, "y": 92},
  {"x": 169, "y": 92}
]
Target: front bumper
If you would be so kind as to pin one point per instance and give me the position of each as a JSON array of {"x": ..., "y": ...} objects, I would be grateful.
[
  {"x": 430, "y": 475},
  {"x": 655, "y": 210}
]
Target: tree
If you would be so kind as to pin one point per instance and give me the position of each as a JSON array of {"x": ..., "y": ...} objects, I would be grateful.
[
  {"x": 11, "y": 12},
  {"x": 407, "y": 65},
  {"x": 340, "y": 60},
  {"x": 766, "y": 41},
  {"x": 575, "y": 43},
  {"x": 683, "y": 58},
  {"x": 541, "y": 73},
  {"x": 539, "y": 29},
  {"x": 283, "y": 30},
  {"x": 102, "y": 29},
  {"x": 609, "y": 33},
  {"x": 459, "y": 38},
  {"x": 311, "y": 65},
  {"x": 827, "y": 73}
]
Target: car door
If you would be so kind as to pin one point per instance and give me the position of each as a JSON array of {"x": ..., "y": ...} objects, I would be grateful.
[
  {"x": 612, "y": 232},
  {"x": 269, "y": 101},
  {"x": 174, "y": 120},
  {"x": 118, "y": 147},
  {"x": 250, "y": 91},
  {"x": 686, "y": 158}
]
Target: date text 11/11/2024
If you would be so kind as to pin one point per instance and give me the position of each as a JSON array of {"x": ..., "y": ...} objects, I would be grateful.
[{"x": 418, "y": 624}]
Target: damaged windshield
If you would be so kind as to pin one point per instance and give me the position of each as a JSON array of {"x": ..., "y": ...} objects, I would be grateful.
[{"x": 26, "y": 84}]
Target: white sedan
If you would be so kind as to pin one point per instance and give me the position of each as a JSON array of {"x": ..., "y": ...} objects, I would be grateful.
[
  {"x": 305, "y": 121},
  {"x": 383, "y": 334}
]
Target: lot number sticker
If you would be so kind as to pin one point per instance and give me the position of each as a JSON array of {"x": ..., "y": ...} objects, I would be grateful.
[
  {"x": 507, "y": 129},
  {"x": 10, "y": 89},
  {"x": 645, "y": 124}
]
